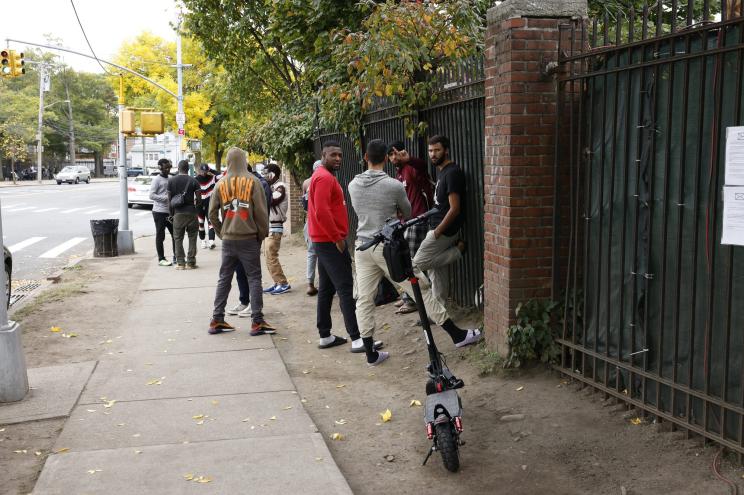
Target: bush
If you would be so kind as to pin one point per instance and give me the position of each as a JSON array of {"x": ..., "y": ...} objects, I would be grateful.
[{"x": 533, "y": 336}]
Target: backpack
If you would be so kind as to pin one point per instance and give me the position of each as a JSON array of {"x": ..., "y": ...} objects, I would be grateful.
[{"x": 397, "y": 256}]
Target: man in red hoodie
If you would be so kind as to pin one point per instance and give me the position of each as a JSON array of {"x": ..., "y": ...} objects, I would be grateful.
[{"x": 328, "y": 226}]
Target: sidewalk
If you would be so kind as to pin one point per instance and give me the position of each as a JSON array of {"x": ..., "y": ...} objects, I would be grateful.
[{"x": 173, "y": 410}]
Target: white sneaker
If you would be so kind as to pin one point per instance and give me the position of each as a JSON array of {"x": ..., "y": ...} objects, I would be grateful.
[
  {"x": 211, "y": 244},
  {"x": 204, "y": 244},
  {"x": 245, "y": 312},
  {"x": 237, "y": 309},
  {"x": 474, "y": 335}
]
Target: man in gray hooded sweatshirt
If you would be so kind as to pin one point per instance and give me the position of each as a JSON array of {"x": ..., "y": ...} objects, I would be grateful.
[{"x": 376, "y": 197}]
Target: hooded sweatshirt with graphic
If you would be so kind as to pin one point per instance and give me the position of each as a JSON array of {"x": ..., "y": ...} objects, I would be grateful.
[
  {"x": 241, "y": 202},
  {"x": 376, "y": 197}
]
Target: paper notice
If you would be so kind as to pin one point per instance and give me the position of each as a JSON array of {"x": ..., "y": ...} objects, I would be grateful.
[
  {"x": 733, "y": 215},
  {"x": 735, "y": 156}
]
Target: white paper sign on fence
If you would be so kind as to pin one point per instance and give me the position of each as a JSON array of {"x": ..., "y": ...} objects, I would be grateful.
[
  {"x": 733, "y": 215},
  {"x": 735, "y": 156}
]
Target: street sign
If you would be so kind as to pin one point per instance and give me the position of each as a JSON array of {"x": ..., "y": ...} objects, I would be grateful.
[
  {"x": 181, "y": 132},
  {"x": 180, "y": 119}
]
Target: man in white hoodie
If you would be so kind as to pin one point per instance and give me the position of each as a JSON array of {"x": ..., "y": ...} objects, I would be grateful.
[{"x": 376, "y": 197}]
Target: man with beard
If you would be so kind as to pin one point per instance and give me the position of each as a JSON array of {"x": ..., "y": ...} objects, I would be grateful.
[
  {"x": 441, "y": 247},
  {"x": 413, "y": 173},
  {"x": 328, "y": 226}
]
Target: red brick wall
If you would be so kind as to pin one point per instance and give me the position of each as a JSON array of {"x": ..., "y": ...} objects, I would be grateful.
[{"x": 519, "y": 158}]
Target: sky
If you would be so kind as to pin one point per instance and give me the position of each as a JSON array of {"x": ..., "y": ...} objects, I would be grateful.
[{"x": 107, "y": 23}]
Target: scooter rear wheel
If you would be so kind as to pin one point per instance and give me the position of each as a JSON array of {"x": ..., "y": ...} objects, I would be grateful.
[{"x": 447, "y": 446}]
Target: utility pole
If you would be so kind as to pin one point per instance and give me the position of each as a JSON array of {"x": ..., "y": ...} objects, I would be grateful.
[
  {"x": 180, "y": 116},
  {"x": 144, "y": 161},
  {"x": 42, "y": 74},
  {"x": 125, "y": 239},
  {"x": 72, "y": 126}
]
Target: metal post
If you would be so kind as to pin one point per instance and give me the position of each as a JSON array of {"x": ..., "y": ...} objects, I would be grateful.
[
  {"x": 144, "y": 161},
  {"x": 72, "y": 126},
  {"x": 41, "y": 123},
  {"x": 13, "y": 374},
  {"x": 179, "y": 71},
  {"x": 125, "y": 240}
]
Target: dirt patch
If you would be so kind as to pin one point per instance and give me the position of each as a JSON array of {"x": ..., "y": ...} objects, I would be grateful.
[
  {"x": 570, "y": 441},
  {"x": 86, "y": 304}
]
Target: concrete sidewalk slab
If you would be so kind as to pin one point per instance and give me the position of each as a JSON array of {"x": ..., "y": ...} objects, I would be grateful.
[
  {"x": 126, "y": 378},
  {"x": 174, "y": 421},
  {"x": 274, "y": 465},
  {"x": 54, "y": 391}
]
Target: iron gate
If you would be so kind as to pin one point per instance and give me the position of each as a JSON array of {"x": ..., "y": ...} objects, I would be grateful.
[
  {"x": 650, "y": 293},
  {"x": 458, "y": 112}
]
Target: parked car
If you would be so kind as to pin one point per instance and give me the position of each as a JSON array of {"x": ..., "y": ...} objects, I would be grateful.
[
  {"x": 135, "y": 171},
  {"x": 8, "y": 273},
  {"x": 139, "y": 191},
  {"x": 73, "y": 174}
]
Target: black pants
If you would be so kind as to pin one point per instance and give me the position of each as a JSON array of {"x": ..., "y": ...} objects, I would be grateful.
[
  {"x": 162, "y": 223},
  {"x": 334, "y": 276},
  {"x": 202, "y": 213}
]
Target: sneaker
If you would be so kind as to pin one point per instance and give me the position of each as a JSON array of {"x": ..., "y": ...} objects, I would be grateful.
[
  {"x": 211, "y": 244},
  {"x": 217, "y": 326},
  {"x": 191, "y": 266},
  {"x": 165, "y": 263},
  {"x": 261, "y": 328},
  {"x": 236, "y": 309},
  {"x": 270, "y": 289},
  {"x": 311, "y": 290},
  {"x": 281, "y": 289},
  {"x": 381, "y": 357},
  {"x": 204, "y": 244},
  {"x": 180, "y": 267},
  {"x": 474, "y": 335},
  {"x": 359, "y": 348},
  {"x": 246, "y": 313}
]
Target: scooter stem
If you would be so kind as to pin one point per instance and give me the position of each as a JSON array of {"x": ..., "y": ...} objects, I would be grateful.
[{"x": 436, "y": 363}]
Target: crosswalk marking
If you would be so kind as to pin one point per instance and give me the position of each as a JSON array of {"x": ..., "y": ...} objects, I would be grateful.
[
  {"x": 46, "y": 209},
  {"x": 56, "y": 251},
  {"x": 24, "y": 244},
  {"x": 113, "y": 213},
  {"x": 72, "y": 210},
  {"x": 23, "y": 208},
  {"x": 96, "y": 210},
  {"x": 141, "y": 213}
]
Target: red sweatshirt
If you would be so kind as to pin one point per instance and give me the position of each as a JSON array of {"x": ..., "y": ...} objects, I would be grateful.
[
  {"x": 327, "y": 219},
  {"x": 415, "y": 177}
]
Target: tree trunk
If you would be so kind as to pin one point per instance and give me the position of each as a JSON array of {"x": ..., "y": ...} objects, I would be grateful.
[
  {"x": 218, "y": 151},
  {"x": 98, "y": 163}
]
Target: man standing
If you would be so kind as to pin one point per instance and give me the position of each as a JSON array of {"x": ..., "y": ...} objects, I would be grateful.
[
  {"x": 161, "y": 210},
  {"x": 375, "y": 198},
  {"x": 328, "y": 227},
  {"x": 312, "y": 258},
  {"x": 440, "y": 247},
  {"x": 277, "y": 217},
  {"x": 413, "y": 173},
  {"x": 206, "y": 178},
  {"x": 184, "y": 201},
  {"x": 244, "y": 225}
]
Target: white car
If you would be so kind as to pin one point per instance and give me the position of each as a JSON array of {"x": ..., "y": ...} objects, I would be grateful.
[
  {"x": 138, "y": 190},
  {"x": 73, "y": 174}
]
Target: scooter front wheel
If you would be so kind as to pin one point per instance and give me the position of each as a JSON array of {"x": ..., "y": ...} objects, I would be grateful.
[{"x": 447, "y": 446}]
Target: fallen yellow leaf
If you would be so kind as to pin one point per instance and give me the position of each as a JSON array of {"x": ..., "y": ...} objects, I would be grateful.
[
  {"x": 215, "y": 402},
  {"x": 203, "y": 479},
  {"x": 305, "y": 372},
  {"x": 340, "y": 385},
  {"x": 287, "y": 408},
  {"x": 55, "y": 329},
  {"x": 273, "y": 418},
  {"x": 386, "y": 416},
  {"x": 62, "y": 451},
  {"x": 337, "y": 436},
  {"x": 246, "y": 420},
  {"x": 519, "y": 389},
  {"x": 636, "y": 421},
  {"x": 188, "y": 477},
  {"x": 415, "y": 402},
  {"x": 109, "y": 403},
  {"x": 340, "y": 421},
  {"x": 93, "y": 471},
  {"x": 198, "y": 416}
]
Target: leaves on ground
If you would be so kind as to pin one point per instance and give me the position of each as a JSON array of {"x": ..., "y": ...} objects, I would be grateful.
[
  {"x": 55, "y": 329},
  {"x": 386, "y": 416},
  {"x": 341, "y": 421},
  {"x": 636, "y": 421},
  {"x": 415, "y": 402},
  {"x": 519, "y": 389},
  {"x": 337, "y": 436}
]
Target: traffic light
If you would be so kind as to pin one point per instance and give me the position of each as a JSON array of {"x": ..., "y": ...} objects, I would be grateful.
[
  {"x": 17, "y": 64},
  {"x": 5, "y": 68}
]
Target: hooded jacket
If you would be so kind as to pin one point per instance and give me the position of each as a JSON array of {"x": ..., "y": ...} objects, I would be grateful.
[
  {"x": 241, "y": 201},
  {"x": 376, "y": 197}
]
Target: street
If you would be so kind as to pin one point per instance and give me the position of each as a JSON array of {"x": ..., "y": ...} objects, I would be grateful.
[{"x": 47, "y": 226}]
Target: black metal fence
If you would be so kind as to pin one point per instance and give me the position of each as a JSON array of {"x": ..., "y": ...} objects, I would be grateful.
[
  {"x": 458, "y": 112},
  {"x": 650, "y": 318}
]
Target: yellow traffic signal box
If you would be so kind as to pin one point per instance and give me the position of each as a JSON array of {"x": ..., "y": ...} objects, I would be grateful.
[
  {"x": 17, "y": 64},
  {"x": 126, "y": 122},
  {"x": 152, "y": 122},
  {"x": 6, "y": 69}
]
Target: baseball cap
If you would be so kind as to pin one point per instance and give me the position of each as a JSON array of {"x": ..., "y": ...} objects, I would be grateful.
[{"x": 204, "y": 167}]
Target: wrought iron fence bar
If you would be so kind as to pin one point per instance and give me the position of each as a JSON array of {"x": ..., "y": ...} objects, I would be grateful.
[
  {"x": 650, "y": 63},
  {"x": 645, "y": 21},
  {"x": 651, "y": 376},
  {"x": 661, "y": 414},
  {"x": 659, "y": 18}
]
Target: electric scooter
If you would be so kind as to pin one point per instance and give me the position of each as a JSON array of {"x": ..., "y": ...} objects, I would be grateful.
[{"x": 443, "y": 408}]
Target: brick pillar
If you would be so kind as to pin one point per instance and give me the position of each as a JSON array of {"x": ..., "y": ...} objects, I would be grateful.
[
  {"x": 520, "y": 106},
  {"x": 295, "y": 214}
]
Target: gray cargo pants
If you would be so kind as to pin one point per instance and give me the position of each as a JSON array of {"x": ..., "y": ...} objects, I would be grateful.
[{"x": 248, "y": 253}]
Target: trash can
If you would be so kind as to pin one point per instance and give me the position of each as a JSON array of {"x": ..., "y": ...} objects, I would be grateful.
[{"x": 105, "y": 233}]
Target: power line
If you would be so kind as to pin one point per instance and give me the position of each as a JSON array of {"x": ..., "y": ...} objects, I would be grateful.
[{"x": 86, "y": 39}]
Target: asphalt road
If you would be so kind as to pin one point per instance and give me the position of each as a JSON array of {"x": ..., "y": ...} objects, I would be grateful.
[{"x": 47, "y": 226}]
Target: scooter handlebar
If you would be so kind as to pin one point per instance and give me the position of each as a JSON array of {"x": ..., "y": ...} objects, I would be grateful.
[{"x": 369, "y": 244}]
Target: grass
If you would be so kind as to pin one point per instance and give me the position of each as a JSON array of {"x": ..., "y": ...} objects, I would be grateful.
[
  {"x": 486, "y": 360},
  {"x": 52, "y": 294}
]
